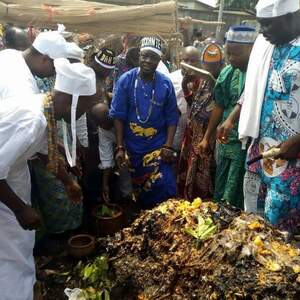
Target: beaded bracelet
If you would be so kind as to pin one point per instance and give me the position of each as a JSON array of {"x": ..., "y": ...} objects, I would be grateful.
[
  {"x": 168, "y": 148},
  {"x": 118, "y": 148}
]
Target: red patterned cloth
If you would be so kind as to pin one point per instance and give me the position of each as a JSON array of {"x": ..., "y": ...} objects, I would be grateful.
[{"x": 195, "y": 173}]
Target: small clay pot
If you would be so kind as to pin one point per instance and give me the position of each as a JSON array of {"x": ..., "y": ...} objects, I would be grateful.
[
  {"x": 105, "y": 226},
  {"x": 81, "y": 245}
]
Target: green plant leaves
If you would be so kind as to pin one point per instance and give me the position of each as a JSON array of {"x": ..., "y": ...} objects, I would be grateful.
[{"x": 203, "y": 230}]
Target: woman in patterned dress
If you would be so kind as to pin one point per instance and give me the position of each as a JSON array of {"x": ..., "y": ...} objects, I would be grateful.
[{"x": 195, "y": 176}]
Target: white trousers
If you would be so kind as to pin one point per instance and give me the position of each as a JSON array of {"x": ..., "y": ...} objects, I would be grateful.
[
  {"x": 17, "y": 268},
  {"x": 252, "y": 183}
]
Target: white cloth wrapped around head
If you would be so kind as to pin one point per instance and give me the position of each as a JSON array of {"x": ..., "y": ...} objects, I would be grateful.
[
  {"x": 77, "y": 80},
  {"x": 54, "y": 45},
  {"x": 276, "y": 8},
  {"x": 74, "y": 78}
]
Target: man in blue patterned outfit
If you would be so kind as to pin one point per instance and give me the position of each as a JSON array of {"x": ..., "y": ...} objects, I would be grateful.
[
  {"x": 145, "y": 114},
  {"x": 279, "y": 123}
]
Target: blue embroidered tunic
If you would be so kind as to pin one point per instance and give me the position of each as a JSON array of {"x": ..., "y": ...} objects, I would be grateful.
[{"x": 147, "y": 109}]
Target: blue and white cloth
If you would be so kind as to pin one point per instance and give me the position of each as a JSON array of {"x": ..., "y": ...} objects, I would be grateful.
[{"x": 279, "y": 121}]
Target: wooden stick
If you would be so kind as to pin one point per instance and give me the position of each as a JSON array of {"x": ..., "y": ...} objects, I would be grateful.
[
  {"x": 198, "y": 70},
  {"x": 189, "y": 20}
]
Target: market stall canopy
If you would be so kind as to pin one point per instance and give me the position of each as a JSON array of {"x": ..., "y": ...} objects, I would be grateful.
[{"x": 93, "y": 17}]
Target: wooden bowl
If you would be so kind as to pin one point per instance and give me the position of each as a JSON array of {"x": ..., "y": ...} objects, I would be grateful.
[{"x": 81, "y": 245}]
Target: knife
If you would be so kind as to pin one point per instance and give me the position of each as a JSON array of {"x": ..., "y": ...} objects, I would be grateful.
[{"x": 267, "y": 154}]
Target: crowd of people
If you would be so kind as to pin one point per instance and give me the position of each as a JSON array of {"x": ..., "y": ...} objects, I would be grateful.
[{"x": 81, "y": 127}]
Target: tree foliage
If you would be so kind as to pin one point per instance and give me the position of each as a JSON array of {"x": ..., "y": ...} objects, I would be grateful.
[{"x": 241, "y": 4}]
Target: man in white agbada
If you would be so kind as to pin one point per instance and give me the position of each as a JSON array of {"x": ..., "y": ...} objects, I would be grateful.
[
  {"x": 270, "y": 112},
  {"x": 23, "y": 132},
  {"x": 18, "y": 69}
]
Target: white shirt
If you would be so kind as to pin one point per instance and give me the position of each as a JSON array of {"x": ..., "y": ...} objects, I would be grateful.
[
  {"x": 15, "y": 76},
  {"x": 22, "y": 134},
  {"x": 176, "y": 78},
  {"x": 82, "y": 131},
  {"x": 162, "y": 68},
  {"x": 107, "y": 140}
]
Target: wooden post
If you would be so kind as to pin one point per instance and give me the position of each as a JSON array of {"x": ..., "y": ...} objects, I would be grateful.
[
  {"x": 176, "y": 62},
  {"x": 220, "y": 19}
]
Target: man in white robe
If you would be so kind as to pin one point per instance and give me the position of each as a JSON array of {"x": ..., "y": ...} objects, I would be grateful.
[
  {"x": 22, "y": 134},
  {"x": 18, "y": 69}
]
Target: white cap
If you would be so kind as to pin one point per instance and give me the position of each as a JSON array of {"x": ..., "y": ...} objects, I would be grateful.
[
  {"x": 77, "y": 80},
  {"x": 74, "y": 78},
  {"x": 153, "y": 44},
  {"x": 241, "y": 34},
  {"x": 73, "y": 51},
  {"x": 53, "y": 44},
  {"x": 276, "y": 8}
]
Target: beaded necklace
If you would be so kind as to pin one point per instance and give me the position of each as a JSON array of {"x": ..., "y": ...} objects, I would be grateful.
[
  {"x": 152, "y": 101},
  {"x": 52, "y": 165}
]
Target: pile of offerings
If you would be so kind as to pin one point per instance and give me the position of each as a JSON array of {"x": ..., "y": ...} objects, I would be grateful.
[{"x": 200, "y": 250}]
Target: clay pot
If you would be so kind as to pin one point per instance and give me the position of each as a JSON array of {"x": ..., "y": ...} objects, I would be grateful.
[
  {"x": 81, "y": 245},
  {"x": 105, "y": 226}
]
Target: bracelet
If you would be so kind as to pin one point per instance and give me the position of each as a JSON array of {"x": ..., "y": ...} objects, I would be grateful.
[
  {"x": 187, "y": 95},
  {"x": 118, "y": 148},
  {"x": 168, "y": 148},
  {"x": 171, "y": 150}
]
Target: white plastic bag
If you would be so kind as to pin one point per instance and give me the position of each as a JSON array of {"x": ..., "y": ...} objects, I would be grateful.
[{"x": 75, "y": 294}]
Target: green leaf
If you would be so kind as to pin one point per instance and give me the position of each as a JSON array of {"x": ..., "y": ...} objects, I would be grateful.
[
  {"x": 87, "y": 272},
  {"x": 204, "y": 229},
  {"x": 105, "y": 211},
  {"x": 191, "y": 232},
  {"x": 106, "y": 295},
  {"x": 201, "y": 229},
  {"x": 209, "y": 221},
  {"x": 99, "y": 295},
  {"x": 200, "y": 220},
  {"x": 209, "y": 233}
]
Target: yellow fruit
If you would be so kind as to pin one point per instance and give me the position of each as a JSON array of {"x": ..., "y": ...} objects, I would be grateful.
[
  {"x": 296, "y": 269},
  {"x": 255, "y": 225},
  {"x": 273, "y": 266},
  {"x": 197, "y": 203},
  {"x": 292, "y": 252},
  {"x": 258, "y": 242},
  {"x": 264, "y": 252}
]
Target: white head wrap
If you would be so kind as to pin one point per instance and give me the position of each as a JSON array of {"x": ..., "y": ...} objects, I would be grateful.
[
  {"x": 62, "y": 30},
  {"x": 53, "y": 44},
  {"x": 77, "y": 80},
  {"x": 276, "y": 8}
]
